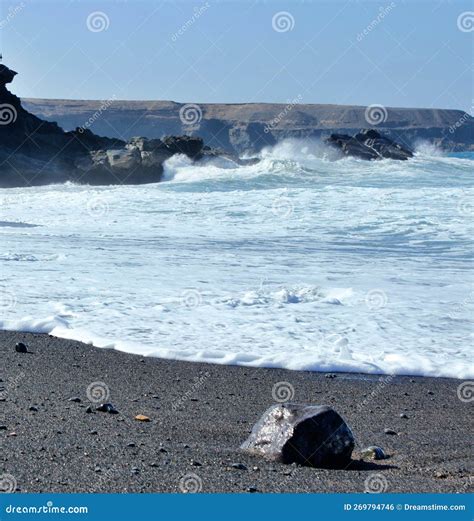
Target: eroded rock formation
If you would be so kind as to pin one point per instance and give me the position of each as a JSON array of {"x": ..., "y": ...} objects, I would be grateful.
[{"x": 35, "y": 152}]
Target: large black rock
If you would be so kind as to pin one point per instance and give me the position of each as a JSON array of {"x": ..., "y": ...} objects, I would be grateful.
[
  {"x": 369, "y": 144},
  {"x": 188, "y": 145},
  {"x": 312, "y": 435},
  {"x": 38, "y": 152}
]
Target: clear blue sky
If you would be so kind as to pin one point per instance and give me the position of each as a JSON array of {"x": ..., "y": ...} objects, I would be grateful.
[{"x": 415, "y": 56}]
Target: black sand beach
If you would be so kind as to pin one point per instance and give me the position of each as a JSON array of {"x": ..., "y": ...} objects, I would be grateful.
[{"x": 200, "y": 414}]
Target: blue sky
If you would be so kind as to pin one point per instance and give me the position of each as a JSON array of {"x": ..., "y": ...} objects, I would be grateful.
[{"x": 415, "y": 55}]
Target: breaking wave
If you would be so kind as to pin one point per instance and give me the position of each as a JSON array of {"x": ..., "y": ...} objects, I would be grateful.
[{"x": 298, "y": 261}]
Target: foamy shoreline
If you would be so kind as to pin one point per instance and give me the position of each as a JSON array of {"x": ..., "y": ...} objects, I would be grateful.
[{"x": 200, "y": 414}]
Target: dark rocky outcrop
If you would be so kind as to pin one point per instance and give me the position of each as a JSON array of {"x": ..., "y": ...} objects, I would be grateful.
[
  {"x": 370, "y": 145},
  {"x": 312, "y": 435},
  {"x": 35, "y": 152}
]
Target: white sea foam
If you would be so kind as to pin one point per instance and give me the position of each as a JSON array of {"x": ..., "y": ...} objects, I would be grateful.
[{"x": 297, "y": 262}]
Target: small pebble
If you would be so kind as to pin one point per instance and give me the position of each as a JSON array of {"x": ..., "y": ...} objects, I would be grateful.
[
  {"x": 34, "y": 408},
  {"x": 89, "y": 409},
  {"x": 93, "y": 432},
  {"x": 252, "y": 490},
  {"x": 107, "y": 407},
  {"x": 142, "y": 418},
  {"x": 131, "y": 444},
  {"x": 196, "y": 463},
  {"x": 74, "y": 399},
  {"x": 390, "y": 431},
  {"x": 239, "y": 466},
  {"x": 20, "y": 347},
  {"x": 330, "y": 375},
  {"x": 403, "y": 415},
  {"x": 373, "y": 452}
]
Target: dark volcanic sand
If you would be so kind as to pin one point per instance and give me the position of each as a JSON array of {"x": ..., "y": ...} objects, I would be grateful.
[{"x": 200, "y": 414}]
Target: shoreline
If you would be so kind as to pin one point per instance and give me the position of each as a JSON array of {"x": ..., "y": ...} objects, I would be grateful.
[{"x": 200, "y": 414}]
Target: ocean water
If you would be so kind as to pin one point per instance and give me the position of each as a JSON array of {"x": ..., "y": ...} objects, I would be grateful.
[{"x": 296, "y": 262}]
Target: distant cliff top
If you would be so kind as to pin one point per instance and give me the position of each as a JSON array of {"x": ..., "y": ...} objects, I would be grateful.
[
  {"x": 305, "y": 115},
  {"x": 244, "y": 127}
]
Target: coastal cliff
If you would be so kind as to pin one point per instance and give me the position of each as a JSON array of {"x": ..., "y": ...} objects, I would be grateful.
[
  {"x": 249, "y": 127},
  {"x": 34, "y": 151}
]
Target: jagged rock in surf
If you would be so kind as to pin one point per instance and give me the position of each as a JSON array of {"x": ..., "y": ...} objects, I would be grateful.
[{"x": 370, "y": 145}]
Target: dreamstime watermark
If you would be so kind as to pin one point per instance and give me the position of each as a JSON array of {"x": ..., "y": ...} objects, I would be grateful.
[
  {"x": 7, "y": 300},
  {"x": 198, "y": 12},
  {"x": 197, "y": 384},
  {"x": 466, "y": 206},
  {"x": 382, "y": 383},
  {"x": 376, "y": 299},
  {"x": 48, "y": 508},
  {"x": 190, "y": 114},
  {"x": 8, "y": 483},
  {"x": 97, "y": 114},
  {"x": 383, "y": 12},
  {"x": 375, "y": 483},
  {"x": 283, "y": 392},
  {"x": 8, "y": 114},
  {"x": 191, "y": 298},
  {"x": 461, "y": 306},
  {"x": 376, "y": 114},
  {"x": 12, "y": 12},
  {"x": 379, "y": 204},
  {"x": 190, "y": 483},
  {"x": 283, "y": 21},
  {"x": 97, "y": 22},
  {"x": 282, "y": 114},
  {"x": 282, "y": 206},
  {"x": 98, "y": 392},
  {"x": 465, "y": 22},
  {"x": 97, "y": 207},
  {"x": 465, "y": 392},
  {"x": 11, "y": 383},
  {"x": 460, "y": 122},
  {"x": 331, "y": 341}
]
